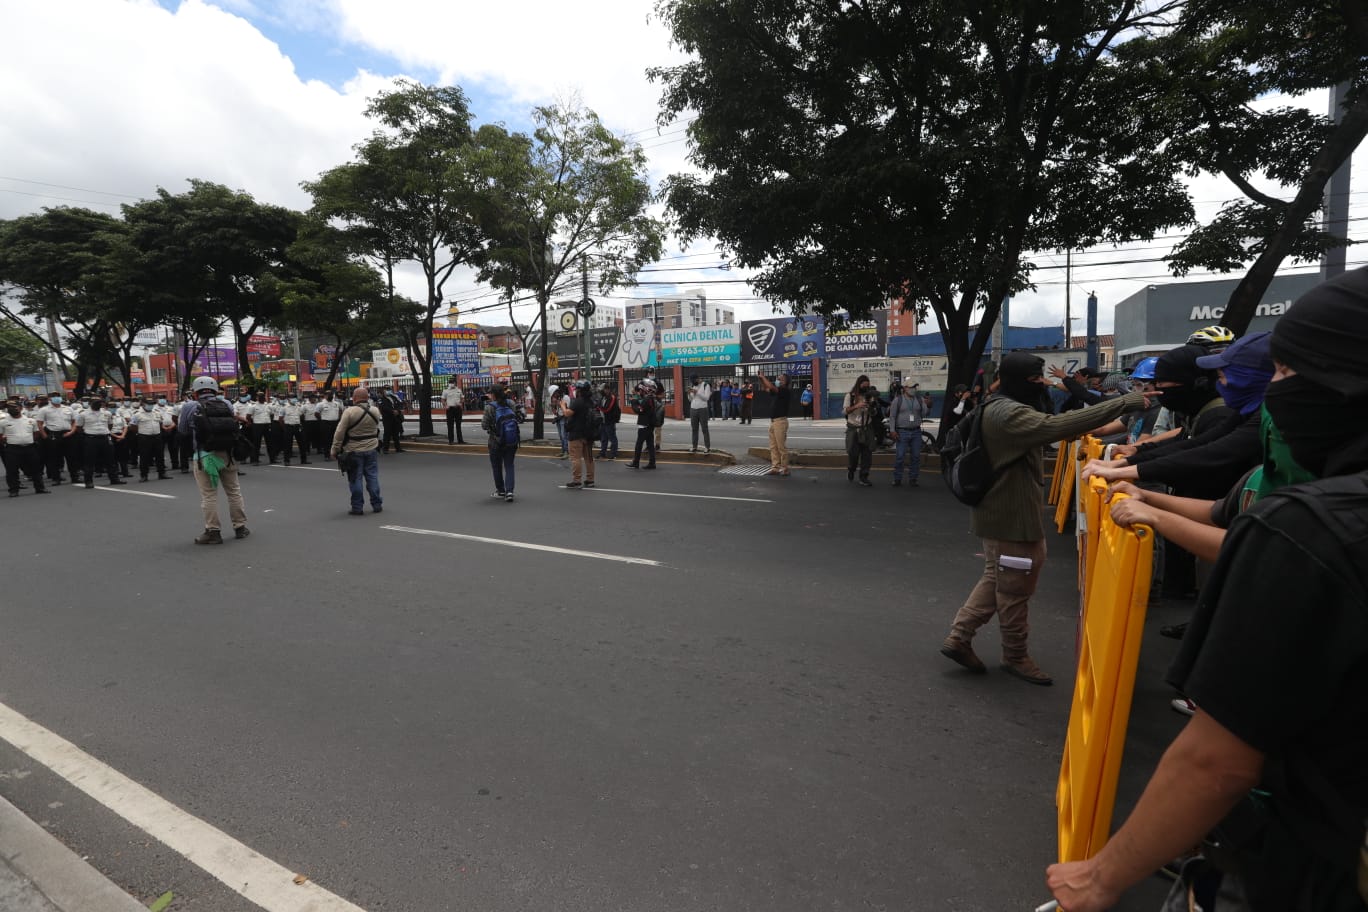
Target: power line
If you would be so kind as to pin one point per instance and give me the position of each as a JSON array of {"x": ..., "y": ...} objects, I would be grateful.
[{"x": 24, "y": 180}]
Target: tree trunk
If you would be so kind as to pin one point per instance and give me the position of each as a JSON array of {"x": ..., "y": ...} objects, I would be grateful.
[{"x": 1347, "y": 135}]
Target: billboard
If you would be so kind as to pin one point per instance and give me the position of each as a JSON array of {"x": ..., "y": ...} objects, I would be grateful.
[
  {"x": 389, "y": 362},
  {"x": 782, "y": 339},
  {"x": 698, "y": 345},
  {"x": 455, "y": 351},
  {"x": 860, "y": 339},
  {"x": 212, "y": 360},
  {"x": 605, "y": 344},
  {"x": 264, "y": 345}
]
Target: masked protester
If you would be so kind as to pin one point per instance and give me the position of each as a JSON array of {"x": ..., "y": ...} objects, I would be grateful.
[
  {"x": 1269, "y": 774},
  {"x": 1009, "y": 519}
]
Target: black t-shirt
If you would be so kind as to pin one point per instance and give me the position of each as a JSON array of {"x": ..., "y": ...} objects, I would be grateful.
[
  {"x": 1277, "y": 648},
  {"x": 579, "y": 414},
  {"x": 780, "y": 408}
]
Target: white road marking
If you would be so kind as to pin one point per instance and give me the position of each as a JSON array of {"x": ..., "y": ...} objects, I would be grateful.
[
  {"x": 253, "y": 876},
  {"x": 571, "y": 552},
  {"x": 831, "y": 437},
  {"x": 276, "y": 465},
  {"x": 118, "y": 489},
  {"x": 693, "y": 496}
]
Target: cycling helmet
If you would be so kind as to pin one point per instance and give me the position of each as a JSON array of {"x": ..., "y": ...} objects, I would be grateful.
[
  {"x": 1211, "y": 335},
  {"x": 583, "y": 385},
  {"x": 1144, "y": 370},
  {"x": 204, "y": 383}
]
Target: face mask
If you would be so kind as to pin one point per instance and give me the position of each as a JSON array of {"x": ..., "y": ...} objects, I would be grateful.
[
  {"x": 1315, "y": 421},
  {"x": 14, "y": 411},
  {"x": 161, "y": 402},
  {"x": 147, "y": 406},
  {"x": 96, "y": 406},
  {"x": 56, "y": 400},
  {"x": 1244, "y": 388}
]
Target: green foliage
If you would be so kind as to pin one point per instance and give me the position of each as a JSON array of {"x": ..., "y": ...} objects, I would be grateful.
[
  {"x": 570, "y": 196},
  {"x": 21, "y": 352},
  {"x": 857, "y": 152}
]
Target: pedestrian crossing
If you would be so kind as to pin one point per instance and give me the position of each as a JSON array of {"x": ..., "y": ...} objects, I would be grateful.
[{"x": 761, "y": 469}]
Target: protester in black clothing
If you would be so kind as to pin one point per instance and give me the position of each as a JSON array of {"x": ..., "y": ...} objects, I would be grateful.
[
  {"x": 1273, "y": 767},
  {"x": 644, "y": 404}
]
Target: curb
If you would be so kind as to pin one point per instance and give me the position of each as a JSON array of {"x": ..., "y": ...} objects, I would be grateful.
[{"x": 50, "y": 876}]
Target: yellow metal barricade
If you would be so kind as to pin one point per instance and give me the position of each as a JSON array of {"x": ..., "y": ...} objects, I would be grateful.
[
  {"x": 1118, "y": 591},
  {"x": 1060, "y": 466},
  {"x": 1064, "y": 500}
]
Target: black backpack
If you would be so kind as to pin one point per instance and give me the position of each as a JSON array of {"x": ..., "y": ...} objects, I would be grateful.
[
  {"x": 216, "y": 428},
  {"x": 593, "y": 419},
  {"x": 965, "y": 464}
]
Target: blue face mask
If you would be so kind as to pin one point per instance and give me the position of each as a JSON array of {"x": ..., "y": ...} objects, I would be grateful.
[
  {"x": 56, "y": 400},
  {"x": 1244, "y": 388},
  {"x": 161, "y": 402}
]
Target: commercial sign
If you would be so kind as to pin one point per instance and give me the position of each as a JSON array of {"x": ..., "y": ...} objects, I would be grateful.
[
  {"x": 699, "y": 345},
  {"x": 323, "y": 358},
  {"x": 605, "y": 349},
  {"x": 1070, "y": 361},
  {"x": 841, "y": 375},
  {"x": 212, "y": 360},
  {"x": 264, "y": 345},
  {"x": 782, "y": 339},
  {"x": 860, "y": 339},
  {"x": 930, "y": 372},
  {"x": 390, "y": 362},
  {"x": 148, "y": 337},
  {"x": 1208, "y": 313},
  {"x": 455, "y": 351}
]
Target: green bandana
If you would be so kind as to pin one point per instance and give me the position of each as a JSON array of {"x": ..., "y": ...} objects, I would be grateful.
[{"x": 1279, "y": 469}]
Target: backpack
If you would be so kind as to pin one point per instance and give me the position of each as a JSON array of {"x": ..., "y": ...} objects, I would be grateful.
[
  {"x": 658, "y": 414},
  {"x": 593, "y": 420},
  {"x": 965, "y": 464},
  {"x": 216, "y": 428},
  {"x": 506, "y": 429}
]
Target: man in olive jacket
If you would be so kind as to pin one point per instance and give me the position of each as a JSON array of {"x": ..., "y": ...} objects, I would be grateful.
[{"x": 1010, "y": 519}]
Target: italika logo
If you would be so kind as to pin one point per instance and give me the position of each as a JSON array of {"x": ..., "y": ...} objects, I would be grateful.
[{"x": 761, "y": 335}]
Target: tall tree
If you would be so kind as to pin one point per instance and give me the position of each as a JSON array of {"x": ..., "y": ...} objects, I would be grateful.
[
  {"x": 571, "y": 195},
  {"x": 861, "y": 151},
  {"x": 212, "y": 251},
  {"x": 411, "y": 196},
  {"x": 50, "y": 262},
  {"x": 338, "y": 297},
  {"x": 1204, "y": 78},
  {"x": 20, "y": 352}
]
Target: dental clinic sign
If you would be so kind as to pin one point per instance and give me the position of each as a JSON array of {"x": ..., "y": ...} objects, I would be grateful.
[
  {"x": 701, "y": 345},
  {"x": 1207, "y": 313}
]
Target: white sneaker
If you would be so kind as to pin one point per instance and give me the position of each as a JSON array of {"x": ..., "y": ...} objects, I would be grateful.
[
  {"x": 498, "y": 495},
  {"x": 707, "y": 450},
  {"x": 1183, "y": 705},
  {"x": 509, "y": 497}
]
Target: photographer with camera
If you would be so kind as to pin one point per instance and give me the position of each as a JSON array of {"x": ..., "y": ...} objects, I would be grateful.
[
  {"x": 356, "y": 447},
  {"x": 861, "y": 410}
]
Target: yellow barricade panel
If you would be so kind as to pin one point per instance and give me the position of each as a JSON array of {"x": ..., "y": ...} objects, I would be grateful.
[
  {"x": 1117, "y": 594},
  {"x": 1065, "y": 496}
]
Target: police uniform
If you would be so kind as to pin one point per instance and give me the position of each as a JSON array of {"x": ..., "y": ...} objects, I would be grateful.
[
  {"x": 260, "y": 414},
  {"x": 291, "y": 423},
  {"x": 329, "y": 411},
  {"x": 98, "y": 425},
  {"x": 21, "y": 456},
  {"x": 149, "y": 424},
  {"x": 309, "y": 417},
  {"x": 57, "y": 448}
]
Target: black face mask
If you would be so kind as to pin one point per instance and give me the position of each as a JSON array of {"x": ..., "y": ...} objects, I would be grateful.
[
  {"x": 14, "y": 412},
  {"x": 1184, "y": 399},
  {"x": 1325, "y": 433}
]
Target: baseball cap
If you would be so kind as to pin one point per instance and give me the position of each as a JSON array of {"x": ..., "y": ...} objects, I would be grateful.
[{"x": 1252, "y": 351}]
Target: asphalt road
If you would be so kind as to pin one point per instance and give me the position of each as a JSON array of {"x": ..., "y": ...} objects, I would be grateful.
[{"x": 759, "y": 720}]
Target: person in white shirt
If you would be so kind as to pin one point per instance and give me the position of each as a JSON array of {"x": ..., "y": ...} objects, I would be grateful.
[
  {"x": 329, "y": 411},
  {"x": 259, "y": 424},
  {"x": 700, "y": 395},
  {"x": 291, "y": 419},
  {"x": 454, "y": 399},
  {"x": 148, "y": 424},
  {"x": 19, "y": 435},
  {"x": 98, "y": 425},
  {"x": 55, "y": 418}
]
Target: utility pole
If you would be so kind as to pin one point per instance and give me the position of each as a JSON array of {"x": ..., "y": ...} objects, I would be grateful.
[
  {"x": 1093, "y": 351},
  {"x": 586, "y": 352},
  {"x": 1336, "y": 220},
  {"x": 1068, "y": 300}
]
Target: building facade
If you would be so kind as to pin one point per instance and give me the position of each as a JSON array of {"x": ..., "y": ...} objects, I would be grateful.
[
  {"x": 680, "y": 313},
  {"x": 1160, "y": 317}
]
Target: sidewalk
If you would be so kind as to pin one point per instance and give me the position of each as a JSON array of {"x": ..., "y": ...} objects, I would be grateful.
[{"x": 39, "y": 874}]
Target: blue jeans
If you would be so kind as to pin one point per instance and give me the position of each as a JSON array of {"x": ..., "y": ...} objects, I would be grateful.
[
  {"x": 501, "y": 460},
  {"x": 564, "y": 441},
  {"x": 608, "y": 442},
  {"x": 907, "y": 439},
  {"x": 366, "y": 467}
]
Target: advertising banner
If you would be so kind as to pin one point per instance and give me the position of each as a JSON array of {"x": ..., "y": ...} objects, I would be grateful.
[
  {"x": 781, "y": 339},
  {"x": 390, "y": 362},
  {"x": 264, "y": 345},
  {"x": 699, "y": 345},
  {"x": 860, "y": 339},
  {"x": 212, "y": 360},
  {"x": 323, "y": 358},
  {"x": 930, "y": 372},
  {"x": 841, "y": 375},
  {"x": 455, "y": 351},
  {"x": 605, "y": 348}
]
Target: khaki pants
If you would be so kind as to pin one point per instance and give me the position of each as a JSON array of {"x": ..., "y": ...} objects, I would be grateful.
[
  {"x": 778, "y": 444},
  {"x": 228, "y": 480},
  {"x": 1004, "y": 592},
  {"x": 581, "y": 460}
]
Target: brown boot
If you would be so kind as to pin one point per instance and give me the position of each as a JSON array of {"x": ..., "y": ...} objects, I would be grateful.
[
  {"x": 210, "y": 537},
  {"x": 1026, "y": 669},
  {"x": 960, "y": 652}
]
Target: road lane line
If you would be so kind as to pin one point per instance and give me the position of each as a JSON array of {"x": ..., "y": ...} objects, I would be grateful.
[
  {"x": 596, "y": 488},
  {"x": 247, "y": 873},
  {"x": 119, "y": 490},
  {"x": 571, "y": 552},
  {"x": 306, "y": 468}
]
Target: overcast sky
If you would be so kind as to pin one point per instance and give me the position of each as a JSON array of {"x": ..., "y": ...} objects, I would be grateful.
[{"x": 103, "y": 101}]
